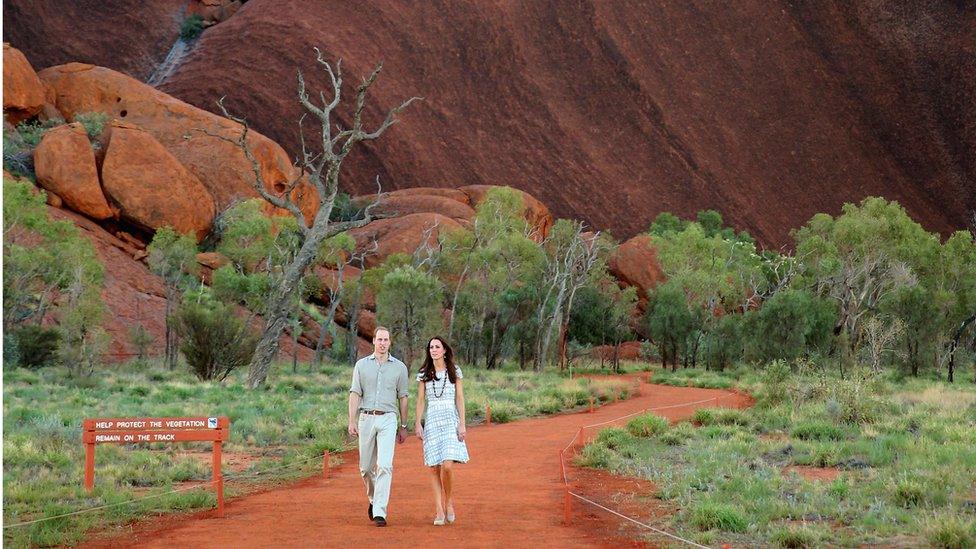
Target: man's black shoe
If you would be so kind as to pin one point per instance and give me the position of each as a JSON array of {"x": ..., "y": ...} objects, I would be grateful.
[
  {"x": 380, "y": 521},
  {"x": 369, "y": 511}
]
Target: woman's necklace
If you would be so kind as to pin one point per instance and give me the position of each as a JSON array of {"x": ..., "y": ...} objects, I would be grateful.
[{"x": 443, "y": 384}]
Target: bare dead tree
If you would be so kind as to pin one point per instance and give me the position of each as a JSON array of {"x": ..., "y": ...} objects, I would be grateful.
[{"x": 321, "y": 169}]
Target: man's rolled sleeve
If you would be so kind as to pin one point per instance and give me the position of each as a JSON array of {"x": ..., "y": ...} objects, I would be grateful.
[
  {"x": 356, "y": 385},
  {"x": 402, "y": 383}
]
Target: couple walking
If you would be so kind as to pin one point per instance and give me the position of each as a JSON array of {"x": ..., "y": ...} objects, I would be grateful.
[{"x": 379, "y": 394}]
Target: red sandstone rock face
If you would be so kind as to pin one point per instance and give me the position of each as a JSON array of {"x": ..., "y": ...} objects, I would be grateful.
[
  {"x": 611, "y": 112},
  {"x": 213, "y": 11},
  {"x": 401, "y": 234},
  {"x": 397, "y": 204},
  {"x": 151, "y": 187},
  {"x": 635, "y": 264},
  {"x": 220, "y": 166},
  {"x": 132, "y": 294},
  {"x": 23, "y": 93},
  {"x": 127, "y": 37},
  {"x": 329, "y": 278},
  {"x": 65, "y": 165},
  {"x": 458, "y": 204}
]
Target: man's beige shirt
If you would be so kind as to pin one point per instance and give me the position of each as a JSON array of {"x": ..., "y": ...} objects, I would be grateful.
[{"x": 380, "y": 385}]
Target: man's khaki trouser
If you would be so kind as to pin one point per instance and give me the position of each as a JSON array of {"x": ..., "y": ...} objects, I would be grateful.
[{"x": 377, "y": 439}]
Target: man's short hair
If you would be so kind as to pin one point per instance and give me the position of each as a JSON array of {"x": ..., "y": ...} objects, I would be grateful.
[{"x": 383, "y": 329}]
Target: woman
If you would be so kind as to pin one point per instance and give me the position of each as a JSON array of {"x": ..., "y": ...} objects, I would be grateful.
[{"x": 443, "y": 430}]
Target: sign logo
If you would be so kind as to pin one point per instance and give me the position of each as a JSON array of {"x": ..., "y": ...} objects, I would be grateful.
[{"x": 211, "y": 423}]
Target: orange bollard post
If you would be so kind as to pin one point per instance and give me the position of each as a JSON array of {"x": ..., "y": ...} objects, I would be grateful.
[
  {"x": 487, "y": 414},
  {"x": 325, "y": 464},
  {"x": 567, "y": 507},
  {"x": 89, "y": 467},
  {"x": 218, "y": 477},
  {"x": 591, "y": 404}
]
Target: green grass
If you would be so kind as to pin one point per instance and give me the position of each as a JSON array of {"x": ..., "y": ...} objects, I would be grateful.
[
  {"x": 904, "y": 453},
  {"x": 287, "y": 423}
]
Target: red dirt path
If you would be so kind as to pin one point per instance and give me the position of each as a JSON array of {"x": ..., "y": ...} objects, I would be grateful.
[{"x": 511, "y": 494}]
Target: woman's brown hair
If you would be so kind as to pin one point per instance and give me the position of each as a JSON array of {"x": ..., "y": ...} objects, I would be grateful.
[{"x": 427, "y": 372}]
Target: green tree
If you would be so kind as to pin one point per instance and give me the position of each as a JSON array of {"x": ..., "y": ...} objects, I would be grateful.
[
  {"x": 861, "y": 257},
  {"x": 665, "y": 223},
  {"x": 957, "y": 288},
  {"x": 58, "y": 272},
  {"x": 215, "y": 340},
  {"x": 668, "y": 321},
  {"x": 791, "y": 324},
  {"x": 409, "y": 302},
  {"x": 603, "y": 313},
  {"x": 172, "y": 257}
]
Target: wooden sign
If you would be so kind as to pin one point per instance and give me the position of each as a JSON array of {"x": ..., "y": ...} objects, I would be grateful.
[{"x": 156, "y": 429}]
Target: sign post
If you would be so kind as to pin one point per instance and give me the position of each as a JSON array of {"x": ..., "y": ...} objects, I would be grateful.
[{"x": 157, "y": 429}]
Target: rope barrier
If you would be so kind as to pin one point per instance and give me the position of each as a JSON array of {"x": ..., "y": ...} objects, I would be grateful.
[
  {"x": 579, "y": 433},
  {"x": 648, "y": 526},
  {"x": 100, "y": 507},
  {"x": 235, "y": 478}
]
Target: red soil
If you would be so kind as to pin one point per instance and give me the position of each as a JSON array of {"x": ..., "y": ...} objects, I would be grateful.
[
  {"x": 511, "y": 494},
  {"x": 825, "y": 474}
]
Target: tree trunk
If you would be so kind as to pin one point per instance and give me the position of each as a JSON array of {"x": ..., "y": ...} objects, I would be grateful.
[
  {"x": 294, "y": 347},
  {"x": 955, "y": 344},
  {"x": 281, "y": 303},
  {"x": 172, "y": 352},
  {"x": 457, "y": 290},
  {"x": 352, "y": 352}
]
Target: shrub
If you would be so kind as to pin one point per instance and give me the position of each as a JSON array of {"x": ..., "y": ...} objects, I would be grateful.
[
  {"x": 950, "y": 532},
  {"x": 613, "y": 438},
  {"x": 19, "y": 144},
  {"x": 817, "y": 430},
  {"x": 794, "y": 538},
  {"x": 909, "y": 493},
  {"x": 818, "y": 455},
  {"x": 214, "y": 340},
  {"x": 93, "y": 122},
  {"x": 678, "y": 434},
  {"x": 703, "y": 416},
  {"x": 37, "y": 346},
  {"x": 192, "y": 27},
  {"x": 731, "y": 417},
  {"x": 647, "y": 425},
  {"x": 706, "y": 516},
  {"x": 141, "y": 339},
  {"x": 596, "y": 456}
]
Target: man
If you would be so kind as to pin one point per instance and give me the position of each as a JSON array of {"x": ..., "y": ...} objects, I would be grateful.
[{"x": 379, "y": 383}]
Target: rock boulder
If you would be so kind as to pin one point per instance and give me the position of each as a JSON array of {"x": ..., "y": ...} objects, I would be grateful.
[
  {"x": 23, "y": 92},
  {"x": 65, "y": 165},
  {"x": 151, "y": 187},
  {"x": 635, "y": 263},
  {"x": 221, "y": 167}
]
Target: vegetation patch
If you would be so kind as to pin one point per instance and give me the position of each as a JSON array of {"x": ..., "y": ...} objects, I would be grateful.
[
  {"x": 907, "y": 473},
  {"x": 289, "y": 424}
]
